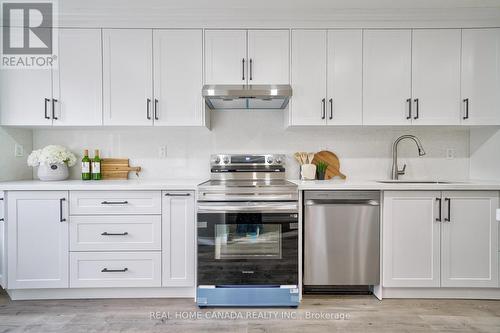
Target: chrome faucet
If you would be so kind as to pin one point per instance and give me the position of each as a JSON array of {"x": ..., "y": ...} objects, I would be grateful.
[{"x": 395, "y": 173}]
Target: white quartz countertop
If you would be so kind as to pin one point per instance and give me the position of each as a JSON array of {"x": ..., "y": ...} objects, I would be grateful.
[
  {"x": 191, "y": 184},
  {"x": 338, "y": 184},
  {"x": 101, "y": 185}
]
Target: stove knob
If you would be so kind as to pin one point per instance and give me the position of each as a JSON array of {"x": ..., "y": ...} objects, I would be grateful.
[
  {"x": 216, "y": 160},
  {"x": 278, "y": 160},
  {"x": 270, "y": 160},
  {"x": 225, "y": 160}
]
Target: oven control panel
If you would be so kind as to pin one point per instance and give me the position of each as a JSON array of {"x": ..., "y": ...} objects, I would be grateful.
[{"x": 253, "y": 160}]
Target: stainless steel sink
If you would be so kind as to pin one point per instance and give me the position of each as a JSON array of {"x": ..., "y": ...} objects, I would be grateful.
[{"x": 399, "y": 181}]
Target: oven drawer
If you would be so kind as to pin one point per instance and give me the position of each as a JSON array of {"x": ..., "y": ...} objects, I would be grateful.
[
  {"x": 115, "y": 269},
  {"x": 115, "y": 233},
  {"x": 115, "y": 202}
]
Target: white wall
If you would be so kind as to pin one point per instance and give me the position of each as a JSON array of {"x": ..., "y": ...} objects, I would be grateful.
[
  {"x": 11, "y": 167},
  {"x": 363, "y": 152},
  {"x": 485, "y": 153}
]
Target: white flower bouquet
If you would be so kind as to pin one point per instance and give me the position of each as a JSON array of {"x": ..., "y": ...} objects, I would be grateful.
[{"x": 52, "y": 154}]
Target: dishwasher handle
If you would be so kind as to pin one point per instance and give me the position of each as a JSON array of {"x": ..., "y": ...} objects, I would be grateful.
[{"x": 318, "y": 202}]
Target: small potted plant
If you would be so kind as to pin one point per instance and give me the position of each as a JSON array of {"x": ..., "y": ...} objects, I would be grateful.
[
  {"x": 321, "y": 169},
  {"x": 52, "y": 162}
]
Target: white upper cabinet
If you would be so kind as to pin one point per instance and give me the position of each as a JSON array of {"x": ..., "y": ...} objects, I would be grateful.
[
  {"x": 345, "y": 65},
  {"x": 127, "y": 77},
  {"x": 309, "y": 70},
  {"x": 436, "y": 76},
  {"x": 386, "y": 77},
  {"x": 78, "y": 80},
  {"x": 38, "y": 248},
  {"x": 480, "y": 76},
  {"x": 26, "y": 97},
  {"x": 178, "y": 77},
  {"x": 411, "y": 234},
  {"x": 268, "y": 56},
  {"x": 469, "y": 239},
  {"x": 225, "y": 56}
]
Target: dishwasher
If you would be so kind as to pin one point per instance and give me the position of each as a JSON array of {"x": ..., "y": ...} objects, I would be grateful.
[{"x": 341, "y": 241}]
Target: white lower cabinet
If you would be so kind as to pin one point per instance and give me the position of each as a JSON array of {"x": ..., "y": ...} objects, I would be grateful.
[
  {"x": 411, "y": 239},
  {"x": 3, "y": 261},
  {"x": 440, "y": 239},
  {"x": 38, "y": 239},
  {"x": 178, "y": 239},
  {"x": 469, "y": 248},
  {"x": 115, "y": 269}
]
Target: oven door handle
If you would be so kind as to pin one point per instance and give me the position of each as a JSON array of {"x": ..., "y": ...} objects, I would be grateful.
[{"x": 291, "y": 207}]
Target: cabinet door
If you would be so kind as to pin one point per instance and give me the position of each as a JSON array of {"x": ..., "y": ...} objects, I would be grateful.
[
  {"x": 178, "y": 77},
  {"x": 470, "y": 240},
  {"x": 268, "y": 56},
  {"x": 225, "y": 57},
  {"x": 3, "y": 252},
  {"x": 25, "y": 97},
  {"x": 178, "y": 239},
  {"x": 411, "y": 234},
  {"x": 436, "y": 76},
  {"x": 308, "y": 104},
  {"x": 481, "y": 76},
  {"x": 128, "y": 76},
  {"x": 345, "y": 65},
  {"x": 78, "y": 80},
  {"x": 386, "y": 77},
  {"x": 38, "y": 239}
]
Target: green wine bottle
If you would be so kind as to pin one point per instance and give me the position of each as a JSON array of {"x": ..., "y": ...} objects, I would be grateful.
[
  {"x": 86, "y": 166},
  {"x": 96, "y": 166}
]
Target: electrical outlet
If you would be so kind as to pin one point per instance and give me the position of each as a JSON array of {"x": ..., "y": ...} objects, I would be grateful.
[
  {"x": 162, "y": 151},
  {"x": 18, "y": 150},
  {"x": 450, "y": 153}
]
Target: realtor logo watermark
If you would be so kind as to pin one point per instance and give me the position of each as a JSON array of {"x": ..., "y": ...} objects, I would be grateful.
[{"x": 29, "y": 38}]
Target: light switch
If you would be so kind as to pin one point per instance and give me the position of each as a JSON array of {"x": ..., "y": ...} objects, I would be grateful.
[{"x": 18, "y": 150}]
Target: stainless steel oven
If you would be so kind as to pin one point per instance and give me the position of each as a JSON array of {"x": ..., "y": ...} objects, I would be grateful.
[
  {"x": 247, "y": 233},
  {"x": 248, "y": 243}
]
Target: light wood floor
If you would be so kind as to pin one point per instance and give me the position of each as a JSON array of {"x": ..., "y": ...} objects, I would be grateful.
[{"x": 365, "y": 314}]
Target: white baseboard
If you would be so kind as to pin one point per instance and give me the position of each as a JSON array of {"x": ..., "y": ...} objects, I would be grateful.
[
  {"x": 86, "y": 293},
  {"x": 458, "y": 293}
]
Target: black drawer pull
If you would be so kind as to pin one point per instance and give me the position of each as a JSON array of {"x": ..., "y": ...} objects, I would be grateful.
[
  {"x": 105, "y": 270},
  {"x": 114, "y": 202},
  {"x": 114, "y": 234},
  {"x": 177, "y": 194}
]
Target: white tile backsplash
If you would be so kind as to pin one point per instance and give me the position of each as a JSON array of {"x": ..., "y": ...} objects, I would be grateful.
[{"x": 364, "y": 152}]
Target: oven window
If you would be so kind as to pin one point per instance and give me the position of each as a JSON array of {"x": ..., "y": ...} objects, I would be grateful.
[{"x": 248, "y": 241}]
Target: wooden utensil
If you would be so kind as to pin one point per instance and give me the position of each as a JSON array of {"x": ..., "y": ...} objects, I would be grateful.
[
  {"x": 117, "y": 168},
  {"x": 333, "y": 164}
]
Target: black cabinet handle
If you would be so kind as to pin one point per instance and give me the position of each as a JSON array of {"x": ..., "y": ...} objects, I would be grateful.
[
  {"x": 331, "y": 108},
  {"x": 2, "y": 219},
  {"x": 448, "y": 218},
  {"x": 409, "y": 108},
  {"x": 105, "y": 270},
  {"x": 148, "y": 105},
  {"x": 251, "y": 69},
  {"x": 114, "y": 202},
  {"x": 438, "y": 219},
  {"x": 466, "y": 115},
  {"x": 323, "y": 112},
  {"x": 114, "y": 234},
  {"x": 61, "y": 218},
  {"x": 156, "y": 109},
  {"x": 243, "y": 69},
  {"x": 54, "y": 101},
  {"x": 416, "y": 108},
  {"x": 177, "y": 194},
  {"x": 45, "y": 105}
]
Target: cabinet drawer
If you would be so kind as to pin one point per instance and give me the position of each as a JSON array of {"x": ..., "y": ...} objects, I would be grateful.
[
  {"x": 115, "y": 202},
  {"x": 115, "y": 233},
  {"x": 115, "y": 269}
]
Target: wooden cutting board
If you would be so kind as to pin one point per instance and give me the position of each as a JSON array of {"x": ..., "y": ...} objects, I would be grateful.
[
  {"x": 117, "y": 168},
  {"x": 332, "y": 160}
]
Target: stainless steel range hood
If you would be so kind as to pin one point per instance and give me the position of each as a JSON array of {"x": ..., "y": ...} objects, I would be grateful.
[{"x": 245, "y": 96}]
